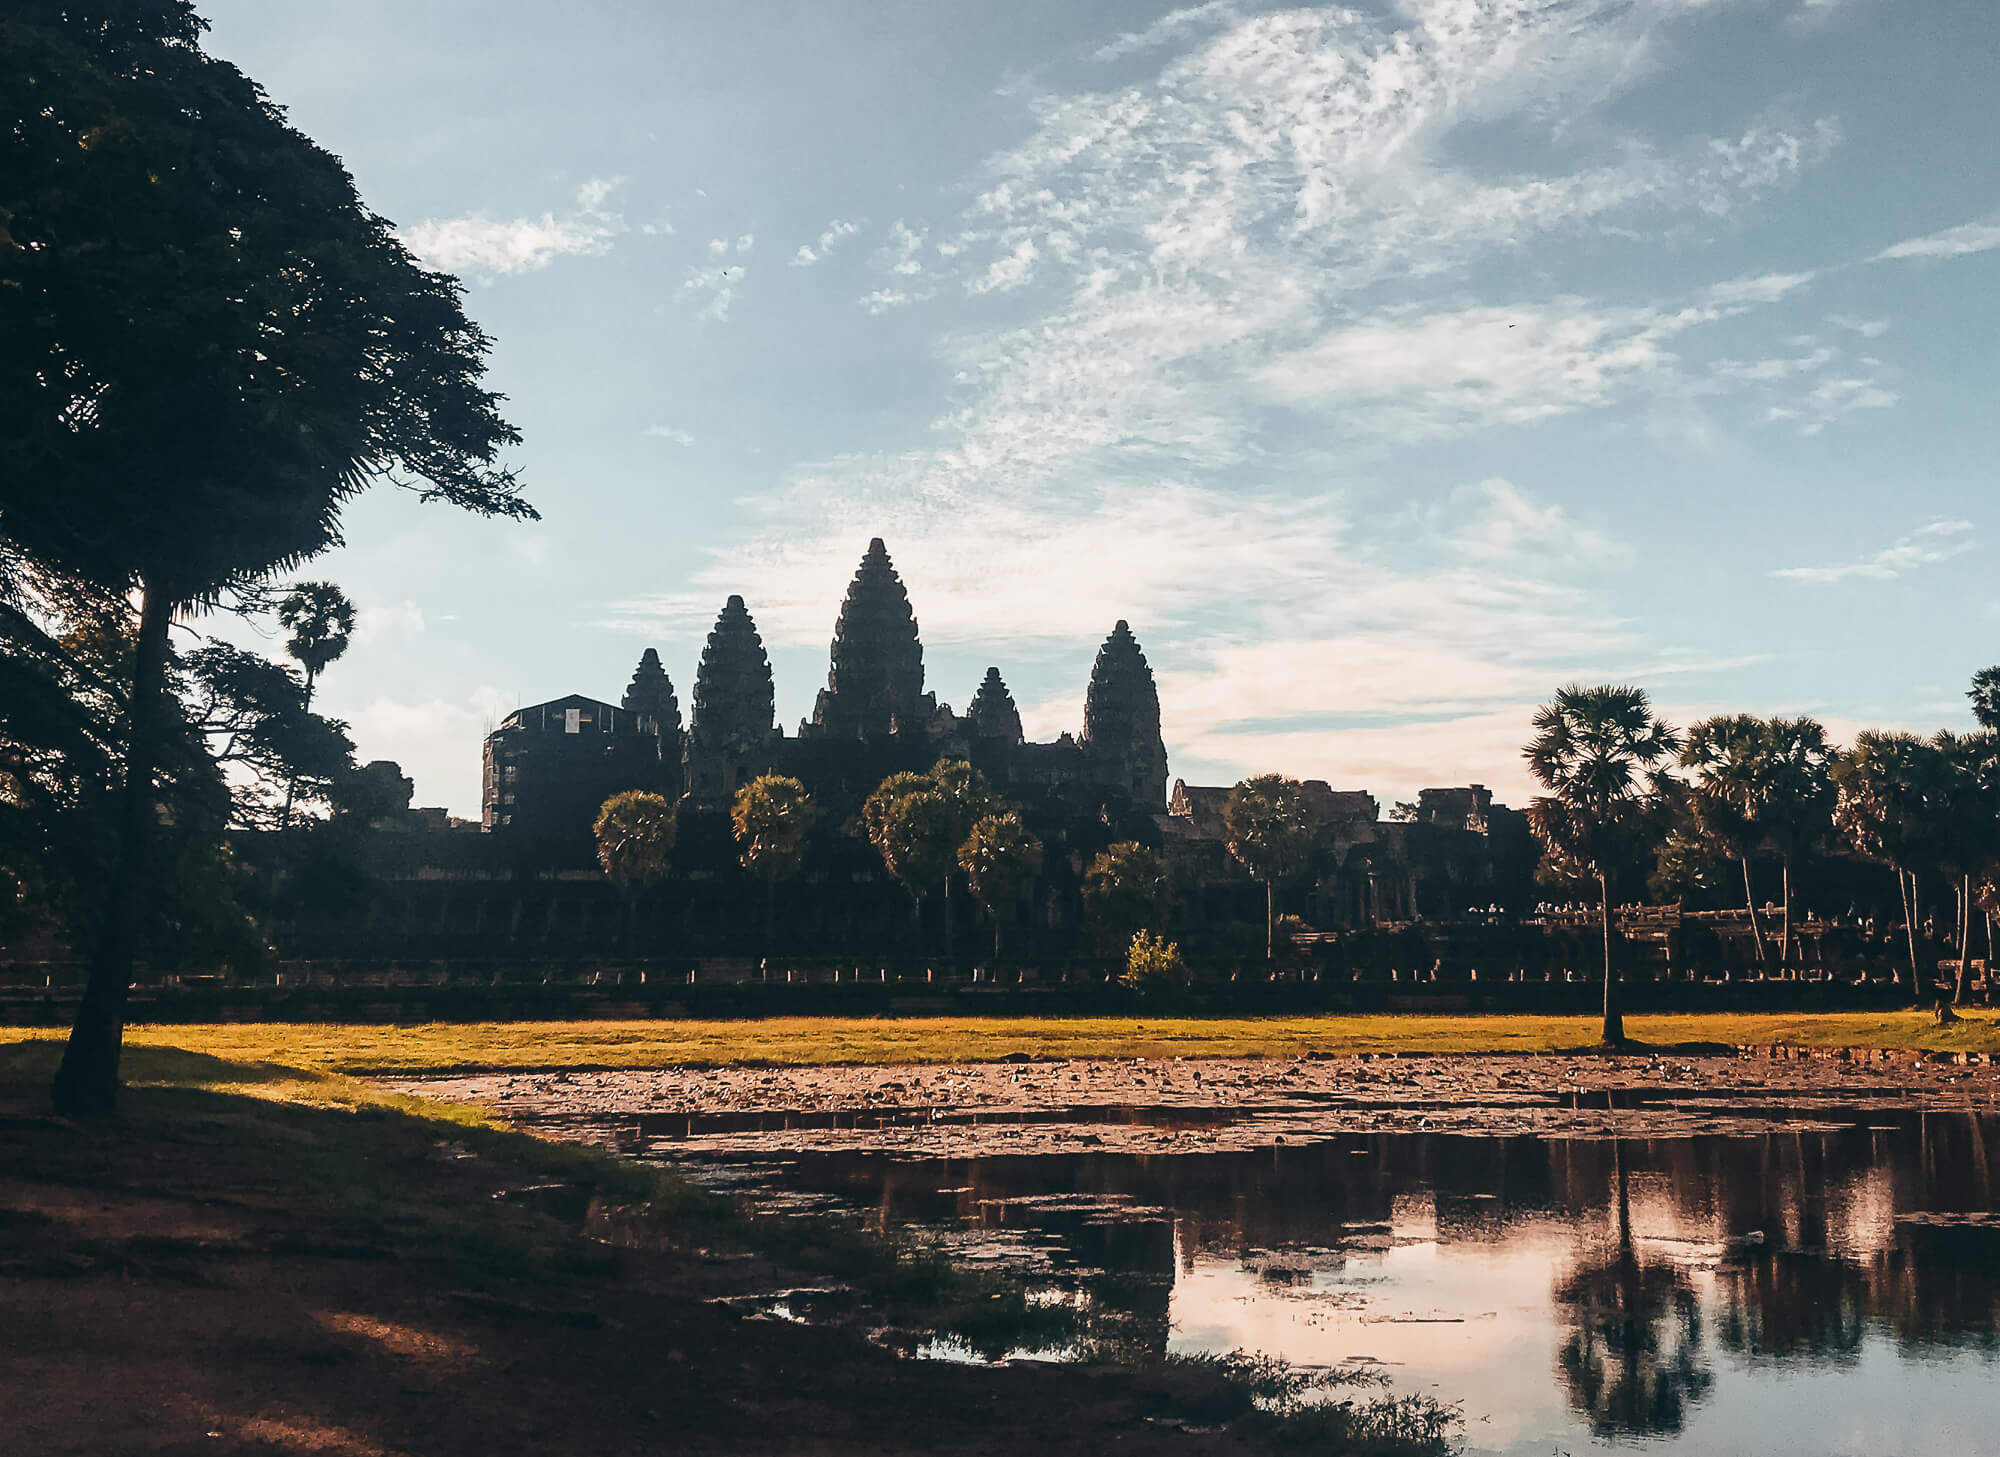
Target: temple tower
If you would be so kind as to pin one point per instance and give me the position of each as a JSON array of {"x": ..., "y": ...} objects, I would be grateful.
[
  {"x": 876, "y": 682},
  {"x": 1121, "y": 721},
  {"x": 992, "y": 714},
  {"x": 650, "y": 697},
  {"x": 729, "y": 738}
]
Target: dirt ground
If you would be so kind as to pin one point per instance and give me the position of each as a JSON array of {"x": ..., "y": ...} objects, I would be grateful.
[
  {"x": 178, "y": 1297},
  {"x": 1193, "y": 1104}
]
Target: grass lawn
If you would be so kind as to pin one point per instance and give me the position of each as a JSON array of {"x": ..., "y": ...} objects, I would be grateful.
[{"x": 322, "y": 1051}]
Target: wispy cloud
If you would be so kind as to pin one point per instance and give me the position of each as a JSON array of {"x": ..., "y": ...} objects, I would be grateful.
[
  {"x": 670, "y": 432},
  {"x": 388, "y": 619},
  {"x": 493, "y": 246},
  {"x": 1279, "y": 223},
  {"x": 811, "y": 253},
  {"x": 712, "y": 288},
  {"x": 1973, "y": 237},
  {"x": 1174, "y": 26},
  {"x": 1935, "y": 542}
]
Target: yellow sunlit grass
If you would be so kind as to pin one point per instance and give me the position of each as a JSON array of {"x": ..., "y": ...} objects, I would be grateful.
[{"x": 320, "y": 1049}]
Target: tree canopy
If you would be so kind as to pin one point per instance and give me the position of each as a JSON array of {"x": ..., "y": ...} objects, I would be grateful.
[
  {"x": 1001, "y": 858},
  {"x": 635, "y": 834},
  {"x": 208, "y": 343}
]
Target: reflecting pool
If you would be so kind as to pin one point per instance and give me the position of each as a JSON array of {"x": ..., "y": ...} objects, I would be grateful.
[{"x": 1821, "y": 1289}]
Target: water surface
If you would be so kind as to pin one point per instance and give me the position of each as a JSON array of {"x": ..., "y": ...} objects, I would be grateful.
[{"x": 1828, "y": 1289}]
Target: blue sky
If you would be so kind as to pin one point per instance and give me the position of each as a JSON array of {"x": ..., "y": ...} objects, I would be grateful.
[{"x": 1386, "y": 365}]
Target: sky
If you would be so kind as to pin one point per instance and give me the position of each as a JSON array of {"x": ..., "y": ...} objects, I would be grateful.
[{"x": 1386, "y": 365}]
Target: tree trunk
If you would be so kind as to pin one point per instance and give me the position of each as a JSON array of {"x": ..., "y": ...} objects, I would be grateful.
[
  {"x": 1614, "y": 1020},
  {"x": 950, "y": 927},
  {"x": 1785, "y": 944},
  {"x": 1909, "y": 894},
  {"x": 292, "y": 775},
  {"x": 770, "y": 910},
  {"x": 1964, "y": 937},
  {"x": 87, "y": 1081},
  {"x": 1750, "y": 901}
]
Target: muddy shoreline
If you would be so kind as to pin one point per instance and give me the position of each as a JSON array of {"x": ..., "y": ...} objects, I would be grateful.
[{"x": 1192, "y": 1104}]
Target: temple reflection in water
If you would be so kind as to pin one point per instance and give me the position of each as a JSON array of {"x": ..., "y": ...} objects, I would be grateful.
[{"x": 1590, "y": 1287}]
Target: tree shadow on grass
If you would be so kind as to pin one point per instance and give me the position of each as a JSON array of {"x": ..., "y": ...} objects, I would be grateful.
[{"x": 35, "y": 1060}]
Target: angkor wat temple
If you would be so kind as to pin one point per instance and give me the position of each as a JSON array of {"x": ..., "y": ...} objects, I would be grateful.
[{"x": 549, "y": 766}]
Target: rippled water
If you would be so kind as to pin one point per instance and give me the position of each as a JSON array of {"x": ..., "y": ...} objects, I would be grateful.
[{"x": 1832, "y": 1290}]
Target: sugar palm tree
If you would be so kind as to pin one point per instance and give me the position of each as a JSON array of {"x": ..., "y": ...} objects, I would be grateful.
[
  {"x": 1887, "y": 788},
  {"x": 1761, "y": 785},
  {"x": 1795, "y": 778},
  {"x": 1723, "y": 754},
  {"x": 1001, "y": 859},
  {"x": 1602, "y": 756},
  {"x": 771, "y": 816},
  {"x": 318, "y": 621},
  {"x": 1968, "y": 816},
  {"x": 635, "y": 833}
]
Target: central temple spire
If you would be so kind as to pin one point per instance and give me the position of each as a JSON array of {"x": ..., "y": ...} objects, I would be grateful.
[
  {"x": 1121, "y": 719},
  {"x": 876, "y": 681}
]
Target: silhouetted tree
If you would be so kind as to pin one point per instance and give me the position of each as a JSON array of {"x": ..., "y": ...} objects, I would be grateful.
[
  {"x": 1761, "y": 785},
  {"x": 318, "y": 621},
  {"x": 1271, "y": 829},
  {"x": 208, "y": 345},
  {"x": 1602, "y": 755},
  {"x": 1001, "y": 859},
  {"x": 1796, "y": 798},
  {"x": 635, "y": 834},
  {"x": 771, "y": 816},
  {"x": 917, "y": 822},
  {"x": 1887, "y": 787},
  {"x": 1966, "y": 810},
  {"x": 1123, "y": 890},
  {"x": 1721, "y": 799},
  {"x": 1985, "y": 696}
]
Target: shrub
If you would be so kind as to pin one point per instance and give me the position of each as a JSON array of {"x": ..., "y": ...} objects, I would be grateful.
[{"x": 1153, "y": 964}]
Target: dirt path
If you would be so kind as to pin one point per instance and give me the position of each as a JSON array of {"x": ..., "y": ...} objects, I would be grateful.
[{"x": 1197, "y": 1103}]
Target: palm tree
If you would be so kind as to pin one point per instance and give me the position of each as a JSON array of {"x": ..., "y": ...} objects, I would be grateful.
[
  {"x": 1968, "y": 820},
  {"x": 1601, "y": 754},
  {"x": 1795, "y": 776},
  {"x": 772, "y": 815},
  {"x": 1887, "y": 789},
  {"x": 1271, "y": 832},
  {"x": 1724, "y": 798},
  {"x": 318, "y": 620},
  {"x": 916, "y": 822},
  {"x": 1000, "y": 858},
  {"x": 635, "y": 834},
  {"x": 1985, "y": 696}
]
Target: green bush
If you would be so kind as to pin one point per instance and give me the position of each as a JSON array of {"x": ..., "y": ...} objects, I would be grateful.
[{"x": 1153, "y": 964}]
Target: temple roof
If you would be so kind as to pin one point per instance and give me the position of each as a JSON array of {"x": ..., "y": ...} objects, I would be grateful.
[
  {"x": 732, "y": 687},
  {"x": 1122, "y": 707},
  {"x": 992, "y": 714},
  {"x": 651, "y": 693},
  {"x": 876, "y": 678}
]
